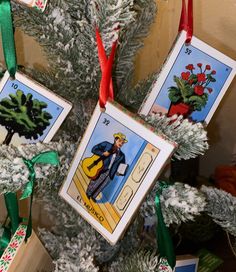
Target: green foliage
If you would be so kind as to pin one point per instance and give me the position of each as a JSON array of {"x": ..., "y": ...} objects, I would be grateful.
[
  {"x": 221, "y": 207},
  {"x": 22, "y": 114},
  {"x": 198, "y": 101}
]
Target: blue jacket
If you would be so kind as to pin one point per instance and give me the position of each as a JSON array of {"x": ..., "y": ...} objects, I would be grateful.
[{"x": 99, "y": 149}]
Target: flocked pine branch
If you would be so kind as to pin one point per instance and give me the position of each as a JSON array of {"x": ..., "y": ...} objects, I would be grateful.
[
  {"x": 74, "y": 253},
  {"x": 179, "y": 203},
  {"x": 14, "y": 173},
  {"x": 221, "y": 206},
  {"x": 67, "y": 32},
  {"x": 140, "y": 261},
  {"x": 190, "y": 137},
  {"x": 130, "y": 43}
]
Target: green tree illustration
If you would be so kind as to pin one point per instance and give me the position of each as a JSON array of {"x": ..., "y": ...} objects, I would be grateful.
[{"x": 23, "y": 115}]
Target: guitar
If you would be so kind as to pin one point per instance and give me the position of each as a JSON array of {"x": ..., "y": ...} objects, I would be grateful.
[{"x": 92, "y": 166}]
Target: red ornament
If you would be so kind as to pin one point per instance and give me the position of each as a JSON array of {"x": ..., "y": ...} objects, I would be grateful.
[
  {"x": 199, "y": 64},
  {"x": 208, "y": 67},
  {"x": 213, "y": 72}
]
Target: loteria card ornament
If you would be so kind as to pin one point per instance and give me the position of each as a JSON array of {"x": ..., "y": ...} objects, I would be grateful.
[
  {"x": 29, "y": 112},
  {"x": 114, "y": 168},
  {"x": 37, "y": 4},
  {"x": 192, "y": 82}
]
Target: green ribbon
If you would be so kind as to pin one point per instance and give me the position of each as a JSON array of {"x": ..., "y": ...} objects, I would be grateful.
[
  {"x": 48, "y": 157},
  {"x": 13, "y": 214},
  {"x": 5, "y": 240},
  {"x": 164, "y": 241},
  {"x": 8, "y": 42}
]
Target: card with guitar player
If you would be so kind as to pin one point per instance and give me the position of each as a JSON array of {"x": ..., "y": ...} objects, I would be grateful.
[{"x": 115, "y": 165}]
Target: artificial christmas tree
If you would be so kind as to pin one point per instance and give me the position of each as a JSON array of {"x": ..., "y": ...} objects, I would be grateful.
[{"x": 67, "y": 31}]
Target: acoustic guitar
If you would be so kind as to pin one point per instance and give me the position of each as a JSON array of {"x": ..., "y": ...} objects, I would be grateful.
[{"x": 92, "y": 166}]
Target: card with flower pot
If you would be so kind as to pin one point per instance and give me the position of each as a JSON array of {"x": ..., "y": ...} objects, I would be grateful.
[{"x": 192, "y": 81}]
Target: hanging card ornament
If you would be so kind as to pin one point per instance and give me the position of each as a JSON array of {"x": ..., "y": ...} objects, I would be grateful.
[
  {"x": 114, "y": 168},
  {"x": 37, "y": 4},
  {"x": 116, "y": 162},
  {"x": 29, "y": 112},
  {"x": 193, "y": 79}
]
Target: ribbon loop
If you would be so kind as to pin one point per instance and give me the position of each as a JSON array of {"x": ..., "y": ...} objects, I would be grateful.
[
  {"x": 164, "y": 241},
  {"x": 186, "y": 20},
  {"x": 8, "y": 42},
  {"x": 106, "y": 85},
  {"x": 48, "y": 157}
]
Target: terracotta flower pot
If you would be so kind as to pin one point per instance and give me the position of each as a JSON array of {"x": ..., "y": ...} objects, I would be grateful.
[{"x": 179, "y": 109}]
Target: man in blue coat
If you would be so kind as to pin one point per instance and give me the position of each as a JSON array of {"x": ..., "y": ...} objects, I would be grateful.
[{"x": 112, "y": 157}]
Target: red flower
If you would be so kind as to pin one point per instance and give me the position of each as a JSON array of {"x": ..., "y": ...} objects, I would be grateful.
[
  {"x": 190, "y": 81},
  {"x": 210, "y": 90},
  {"x": 213, "y": 72},
  {"x": 185, "y": 76},
  {"x": 199, "y": 90},
  {"x": 20, "y": 233},
  {"x": 14, "y": 244},
  {"x": 201, "y": 77},
  {"x": 39, "y": 4},
  {"x": 190, "y": 67},
  {"x": 199, "y": 65},
  {"x": 6, "y": 258},
  {"x": 208, "y": 67}
]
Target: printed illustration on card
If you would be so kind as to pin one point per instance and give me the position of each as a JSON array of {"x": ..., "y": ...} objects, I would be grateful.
[
  {"x": 28, "y": 112},
  {"x": 192, "y": 82},
  {"x": 37, "y": 4},
  {"x": 115, "y": 165}
]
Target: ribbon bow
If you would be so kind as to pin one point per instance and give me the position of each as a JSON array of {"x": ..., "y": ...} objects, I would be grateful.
[
  {"x": 106, "y": 86},
  {"x": 8, "y": 42},
  {"x": 48, "y": 157},
  {"x": 164, "y": 241}
]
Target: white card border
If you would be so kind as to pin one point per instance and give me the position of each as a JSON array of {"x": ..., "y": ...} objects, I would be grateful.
[
  {"x": 166, "y": 149},
  {"x": 67, "y": 106},
  {"x": 163, "y": 74}
]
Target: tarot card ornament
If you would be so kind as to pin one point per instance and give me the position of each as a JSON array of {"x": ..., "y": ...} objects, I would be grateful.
[
  {"x": 115, "y": 166},
  {"x": 37, "y": 4},
  {"x": 192, "y": 82},
  {"x": 28, "y": 111}
]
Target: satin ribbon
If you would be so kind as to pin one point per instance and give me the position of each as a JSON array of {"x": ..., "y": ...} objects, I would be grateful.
[
  {"x": 8, "y": 42},
  {"x": 13, "y": 214},
  {"x": 164, "y": 241},
  {"x": 106, "y": 86},
  {"x": 48, "y": 157},
  {"x": 5, "y": 240},
  {"x": 186, "y": 20}
]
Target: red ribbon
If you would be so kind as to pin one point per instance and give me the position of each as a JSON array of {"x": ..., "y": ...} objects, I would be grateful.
[
  {"x": 106, "y": 86},
  {"x": 186, "y": 20}
]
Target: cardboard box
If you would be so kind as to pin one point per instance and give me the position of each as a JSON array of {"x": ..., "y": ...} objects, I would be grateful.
[{"x": 20, "y": 256}]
